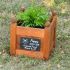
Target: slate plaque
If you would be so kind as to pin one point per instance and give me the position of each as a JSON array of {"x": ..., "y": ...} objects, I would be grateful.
[{"x": 30, "y": 43}]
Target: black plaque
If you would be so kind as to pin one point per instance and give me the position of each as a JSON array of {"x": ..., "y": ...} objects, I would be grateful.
[{"x": 30, "y": 43}]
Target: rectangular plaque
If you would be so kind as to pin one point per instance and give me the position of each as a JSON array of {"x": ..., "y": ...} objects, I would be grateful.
[{"x": 30, "y": 43}]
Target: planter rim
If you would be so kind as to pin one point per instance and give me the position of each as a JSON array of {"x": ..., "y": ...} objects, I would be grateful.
[
  {"x": 31, "y": 27},
  {"x": 40, "y": 28},
  {"x": 51, "y": 20}
]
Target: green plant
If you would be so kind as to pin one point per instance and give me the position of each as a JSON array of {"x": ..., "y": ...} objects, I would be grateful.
[{"x": 34, "y": 16}]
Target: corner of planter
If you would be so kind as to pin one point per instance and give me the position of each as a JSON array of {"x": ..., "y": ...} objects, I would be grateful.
[{"x": 13, "y": 35}]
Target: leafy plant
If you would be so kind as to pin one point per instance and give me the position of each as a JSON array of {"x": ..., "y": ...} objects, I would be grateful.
[{"x": 34, "y": 16}]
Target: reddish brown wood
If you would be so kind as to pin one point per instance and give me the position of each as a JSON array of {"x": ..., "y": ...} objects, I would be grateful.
[
  {"x": 13, "y": 36},
  {"x": 13, "y": 39}
]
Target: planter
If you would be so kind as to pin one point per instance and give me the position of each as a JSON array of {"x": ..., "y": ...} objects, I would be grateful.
[{"x": 33, "y": 42}]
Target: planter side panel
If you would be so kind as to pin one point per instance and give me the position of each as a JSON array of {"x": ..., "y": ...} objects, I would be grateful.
[
  {"x": 49, "y": 38},
  {"x": 53, "y": 32}
]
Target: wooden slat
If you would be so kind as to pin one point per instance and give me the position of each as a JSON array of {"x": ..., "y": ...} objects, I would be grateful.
[
  {"x": 29, "y": 53},
  {"x": 27, "y": 31},
  {"x": 13, "y": 39}
]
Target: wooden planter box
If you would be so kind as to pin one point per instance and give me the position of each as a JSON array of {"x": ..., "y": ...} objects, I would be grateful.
[{"x": 33, "y": 42}]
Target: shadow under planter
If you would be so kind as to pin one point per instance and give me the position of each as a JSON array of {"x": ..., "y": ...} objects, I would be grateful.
[{"x": 33, "y": 42}]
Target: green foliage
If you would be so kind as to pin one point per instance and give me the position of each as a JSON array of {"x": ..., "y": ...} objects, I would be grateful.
[{"x": 34, "y": 16}]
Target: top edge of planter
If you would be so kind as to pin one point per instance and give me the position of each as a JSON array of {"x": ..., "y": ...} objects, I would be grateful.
[{"x": 51, "y": 21}]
